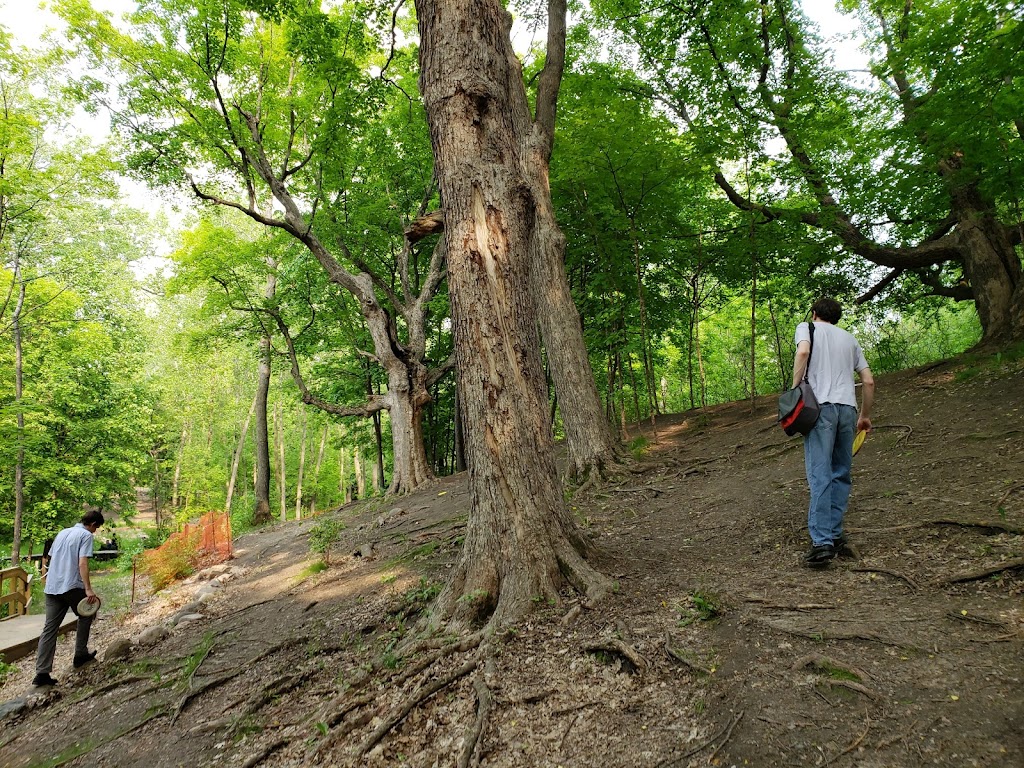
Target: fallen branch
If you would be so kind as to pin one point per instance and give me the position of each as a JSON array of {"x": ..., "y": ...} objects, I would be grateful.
[
  {"x": 895, "y": 574},
  {"x": 412, "y": 702},
  {"x": 728, "y": 735},
  {"x": 484, "y": 702},
  {"x": 981, "y": 573}
]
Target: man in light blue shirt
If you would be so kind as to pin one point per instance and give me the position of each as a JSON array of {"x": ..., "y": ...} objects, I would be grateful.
[
  {"x": 828, "y": 448},
  {"x": 67, "y": 584}
]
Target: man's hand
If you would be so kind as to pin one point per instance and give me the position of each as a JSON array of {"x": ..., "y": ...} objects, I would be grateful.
[
  {"x": 864, "y": 423},
  {"x": 91, "y": 596}
]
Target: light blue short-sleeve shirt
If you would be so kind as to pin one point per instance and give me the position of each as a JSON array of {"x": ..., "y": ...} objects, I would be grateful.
[
  {"x": 835, "y": 355},
  {"x": 63, "y": 574}
]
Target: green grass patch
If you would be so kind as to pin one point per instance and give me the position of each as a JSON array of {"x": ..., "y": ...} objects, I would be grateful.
[
  {"x": 700, "y": 606},
  {"x": 416, "y": 553}
]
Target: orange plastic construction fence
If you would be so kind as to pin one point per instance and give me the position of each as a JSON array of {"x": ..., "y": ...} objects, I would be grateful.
[{"x": 196, "y": 545}]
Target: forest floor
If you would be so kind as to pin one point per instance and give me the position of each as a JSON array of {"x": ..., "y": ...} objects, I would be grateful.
[{"x": 718, "y": 647}]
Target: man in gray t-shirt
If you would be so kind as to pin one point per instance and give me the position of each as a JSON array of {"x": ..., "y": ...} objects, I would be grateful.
[
  {"x": 828, "y": 448},
  {"x": 67, "y": 584}
]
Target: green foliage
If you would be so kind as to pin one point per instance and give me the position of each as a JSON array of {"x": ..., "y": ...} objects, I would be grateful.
[
  {"x": 700, "y": 606},
  {"x": 323, "y": 535}
]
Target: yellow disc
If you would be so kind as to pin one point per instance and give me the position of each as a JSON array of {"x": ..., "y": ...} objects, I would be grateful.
[{"x": 858, "y": 441}]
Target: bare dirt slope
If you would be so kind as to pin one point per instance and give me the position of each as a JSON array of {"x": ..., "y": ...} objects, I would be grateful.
[{"x": 718, "y": 647}]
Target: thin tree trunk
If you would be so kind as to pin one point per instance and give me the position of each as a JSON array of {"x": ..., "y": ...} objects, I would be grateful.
[
  {"x": 360, "y": 470},
  {"x": 342, "y": 490},
  {"x": 460, "y": 436},
  {"x": 177, "y": 466},
  {"x": 236, "y": 460},
  {"x": 282, "y": 486},
  {"x": 261, "y": 483},
  {"x": 302, "y": 468},
  {"x": 316, "y": 471},
  {"x": 19, "y": 466},
  {"x": 753, "y": 330}
]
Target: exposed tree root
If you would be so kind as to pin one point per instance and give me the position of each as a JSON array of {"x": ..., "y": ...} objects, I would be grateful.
[
  {"x": 788, "y": 607},
  {"x": 826, "y": 664},
  {"x": 853, "y": 686},
  {"x": 257, "y": 701},
  {"x": 340, "y": 707},
  {"x": 988, "y": 528},
  {"x": 484, "y": 704},
  {"x": 726, "y": 731},
  {"x": 84, "y": 748},
  {"x": 216, "y": 682},
  {"x": 981, "y": 573},
  {"x": 616, "y": 647},
  {"x": 835, "y": 634},
  {"x": 971, "y": 619},
  {"x": 264, "y": 753},
  {"x": 424, "y": 693},
  {"x": 856, "y": 743},
  {"x": 895, "y": 574},
  {"x": 678, "y": 656}
]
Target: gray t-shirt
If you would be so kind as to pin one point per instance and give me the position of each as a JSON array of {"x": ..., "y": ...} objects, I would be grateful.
[
  {"x": 63, "y": 574},
  {"x": 834, "y": 357}
]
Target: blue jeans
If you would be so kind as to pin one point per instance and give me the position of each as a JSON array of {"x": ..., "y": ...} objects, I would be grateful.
[{"x": 828, "y": 455}]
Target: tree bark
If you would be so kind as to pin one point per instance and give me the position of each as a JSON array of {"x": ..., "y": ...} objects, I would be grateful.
[
  {"x": 360, "y": 470},
  {"x": 19, "y": 466},
  {"x": 521, "y": 542},
  {"x": 316, "y": 471},
  {"x": 177, "y": 466},
  {"x": 302, "y": 469},
  {"x": 262, "y": 513},
  {"x": 282, "y": 486},
  {"x": 237, "y": 458}
]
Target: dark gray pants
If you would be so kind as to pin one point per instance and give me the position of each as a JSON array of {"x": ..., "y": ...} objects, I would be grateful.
[{"x": 56, "y": 609}]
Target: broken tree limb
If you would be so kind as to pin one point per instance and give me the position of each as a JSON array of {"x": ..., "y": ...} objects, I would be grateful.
[{"x": 826, "y": 664}]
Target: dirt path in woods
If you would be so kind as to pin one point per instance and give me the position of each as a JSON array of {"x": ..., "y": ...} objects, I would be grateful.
[{"x": 717, "y": 649}]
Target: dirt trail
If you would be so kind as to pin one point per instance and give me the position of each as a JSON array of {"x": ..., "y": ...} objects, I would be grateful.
[{"x": 718, "y": 647}]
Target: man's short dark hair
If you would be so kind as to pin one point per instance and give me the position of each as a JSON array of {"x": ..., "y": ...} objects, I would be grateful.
[
  {"x": 93, "y": 518},
  {"x": 828, "y": 310}
]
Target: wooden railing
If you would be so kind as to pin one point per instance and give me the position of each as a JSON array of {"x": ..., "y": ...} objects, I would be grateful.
[{"x": 15, "y": 592}]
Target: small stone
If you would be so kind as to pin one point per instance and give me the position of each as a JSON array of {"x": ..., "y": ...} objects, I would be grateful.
[
  {"x": 153, "y": 635},
  {"x": 189, "y": 617},
  {"x": 365, "y": 551},
  {"x": 119, "y": 649}
]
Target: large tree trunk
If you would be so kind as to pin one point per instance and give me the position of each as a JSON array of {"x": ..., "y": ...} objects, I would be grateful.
[
  {"x": 992, "y": 268},
  {"x": 407, "y": 397},
  {"x": 589, "y": 442},
  {"x": 521, "y": 542}
]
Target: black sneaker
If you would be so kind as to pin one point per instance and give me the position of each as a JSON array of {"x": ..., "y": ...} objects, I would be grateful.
[
  {"x": 43, "y": 681},
  {"x": 81, "y": 661},
  {"x": 820, "y": 556},
  {"x": 844, "y": 548}
]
